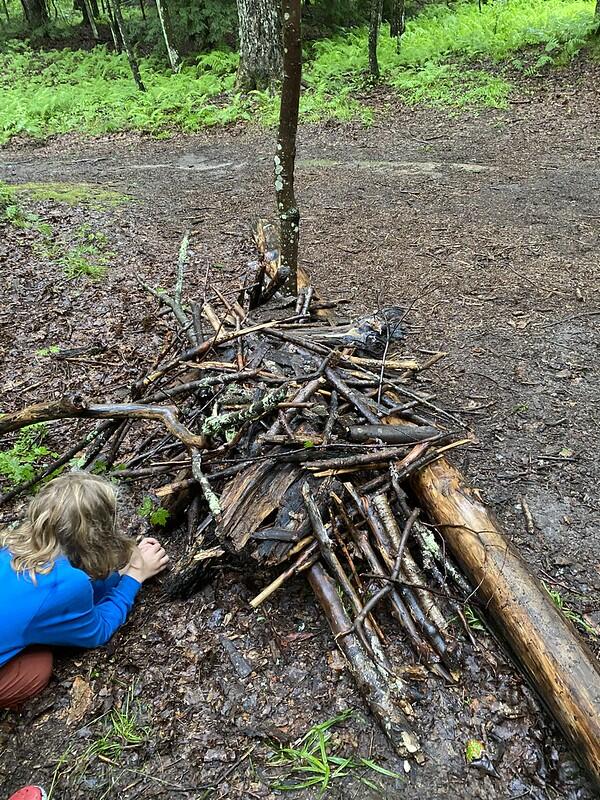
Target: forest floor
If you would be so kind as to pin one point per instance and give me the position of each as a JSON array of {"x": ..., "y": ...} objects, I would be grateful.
[{"x": 490, "y": 224}]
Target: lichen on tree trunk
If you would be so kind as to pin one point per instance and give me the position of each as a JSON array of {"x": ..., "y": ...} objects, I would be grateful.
[
  {"x": 285, "y": 156},
  {"x": 261, "y": 57}
]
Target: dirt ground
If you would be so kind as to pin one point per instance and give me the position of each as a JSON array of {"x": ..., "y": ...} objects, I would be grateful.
[{"x": 490, "y": 225}]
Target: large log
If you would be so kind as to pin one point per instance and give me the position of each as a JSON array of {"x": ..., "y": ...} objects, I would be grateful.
[{"x": 556, "y": 660}]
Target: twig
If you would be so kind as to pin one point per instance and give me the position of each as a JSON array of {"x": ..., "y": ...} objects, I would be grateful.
[{"x": 385, "y": 590}]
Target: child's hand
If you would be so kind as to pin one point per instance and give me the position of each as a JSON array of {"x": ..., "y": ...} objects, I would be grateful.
[{"x": 148, "y": 560}]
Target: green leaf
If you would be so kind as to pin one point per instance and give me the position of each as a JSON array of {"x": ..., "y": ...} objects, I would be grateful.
[
  {"x": 159, "y": 516},
  {"x": 474, "y": 750},
  {"x": 381, "y": 770}
]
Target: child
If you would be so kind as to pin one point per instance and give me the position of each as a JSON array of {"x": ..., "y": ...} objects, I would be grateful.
[{"x": 59, "y": 583}]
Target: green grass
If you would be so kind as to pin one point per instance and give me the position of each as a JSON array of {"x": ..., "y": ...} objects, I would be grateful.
[
  {"x": 84, "y": 253},
  {"x": 569, "y": 613},
  {"x": 314, "y": 761},
  {"x": 73, "y": 194},
  {"x": 452, "y": 56}
]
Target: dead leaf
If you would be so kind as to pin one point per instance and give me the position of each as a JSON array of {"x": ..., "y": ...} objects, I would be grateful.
[{"x": 81, "y": 700}]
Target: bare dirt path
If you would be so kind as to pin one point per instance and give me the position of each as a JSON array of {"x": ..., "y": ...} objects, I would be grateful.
[{"x": 491, "y": 225}]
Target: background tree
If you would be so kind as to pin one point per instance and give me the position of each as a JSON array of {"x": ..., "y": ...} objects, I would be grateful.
[
  {"x": 375, "y": 22},
  {"x": 167, "y": 32},
  {"x": 135, "y": 69},
  {"x": 36, "y": 12},
  {"x": 261, "y": 61},
  {"x": 285, "y": 156}
]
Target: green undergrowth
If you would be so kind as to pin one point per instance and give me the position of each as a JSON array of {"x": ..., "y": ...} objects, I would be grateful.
[
  {"x": 317, "y": 761},
  {"x": 19, "y": 463},
  {"x": 455, "y": 56},
  {"x": 81, "y": 252}
]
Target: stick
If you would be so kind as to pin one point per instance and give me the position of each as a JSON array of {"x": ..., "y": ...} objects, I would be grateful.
[
  {"x": 372, "y": 685},
  {"x": 368, "y": 635},
  {"x": 385, "y": 590}
]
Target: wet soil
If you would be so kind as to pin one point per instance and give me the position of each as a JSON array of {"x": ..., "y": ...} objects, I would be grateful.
[{"x": 490, "y": 226}]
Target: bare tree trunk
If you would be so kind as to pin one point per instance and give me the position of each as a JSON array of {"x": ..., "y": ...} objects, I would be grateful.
[
  {"x": 5, "y": 9},
  {"x": 289, "y": 215},
  {"x": 376, "y": 10},
  {"x": 135, "y": 70},
  {"x": 167, "y": 30},
  {"x": 261, "y": 62},
  {"x": 397, "y": 21},
  {"x": 87, "y": 12},
  {"x": 36, "y": 12}
]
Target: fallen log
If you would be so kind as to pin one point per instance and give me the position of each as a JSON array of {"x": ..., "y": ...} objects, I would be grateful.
[{"x": 557, "y": 662}]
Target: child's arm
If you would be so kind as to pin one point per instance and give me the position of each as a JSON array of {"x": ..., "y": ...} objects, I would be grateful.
[
  {"x": 101, "y": 588},
  {"x": 69, "y": 616}
]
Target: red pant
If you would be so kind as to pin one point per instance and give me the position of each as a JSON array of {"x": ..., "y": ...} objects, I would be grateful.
[{"x": 24, "y": 676}]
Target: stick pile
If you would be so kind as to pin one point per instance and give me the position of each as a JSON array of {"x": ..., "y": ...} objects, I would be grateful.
[{"x": 297, "y": 441}]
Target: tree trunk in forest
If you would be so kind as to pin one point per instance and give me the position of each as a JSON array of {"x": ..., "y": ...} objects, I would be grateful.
[
  {"x": 397, "y": 22},
  {"x": 376, "y": 11},
  {"x": 261, "y": 61},
  {"x": 167, "y": 31},
  {"x": 36, "y": 12},
  {"x": 5, "y": 9},
  {"x": 89, "y": 15},
  {"x": 135, "y": 70},
  {"x": 289, "y": 215}
]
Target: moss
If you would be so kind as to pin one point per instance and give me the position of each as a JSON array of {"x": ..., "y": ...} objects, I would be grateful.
[{"x": 73, "y": 194}]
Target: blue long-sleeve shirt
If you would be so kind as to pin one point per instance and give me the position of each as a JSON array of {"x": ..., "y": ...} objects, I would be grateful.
[{"x": 64, "y": 607}]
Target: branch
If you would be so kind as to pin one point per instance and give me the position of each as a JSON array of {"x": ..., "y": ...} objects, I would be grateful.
[{"x": 76, "y": 407}]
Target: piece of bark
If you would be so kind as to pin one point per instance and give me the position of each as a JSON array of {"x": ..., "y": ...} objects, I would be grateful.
[{"x": 251, "y": 496}]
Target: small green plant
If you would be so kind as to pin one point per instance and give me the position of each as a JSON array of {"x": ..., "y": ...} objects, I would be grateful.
[
  {"x": 88, "y": 257},
  {"x": 473, "y": 620},
  {"x": 569, "y": 613},
  {"x": 474, "y": 749},
  {"x": 123, "y": 732},
  {"x": 314, "y": 762},
  {"x": 18, "y": 463},
  {"x": 156, "y": 515},
  {"x": 44, "y": 352}
]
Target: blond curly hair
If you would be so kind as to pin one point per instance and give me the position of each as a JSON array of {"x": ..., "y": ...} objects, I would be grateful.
[{"x": 74, "y": 515}]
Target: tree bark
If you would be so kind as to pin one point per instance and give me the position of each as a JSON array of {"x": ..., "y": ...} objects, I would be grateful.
[
  {"x": 397, "y": 21},
  {"x": 135, "y": 70},
  {"x": 285, "y": 157},
  {"x": 36, "y": 12},
  {"x": 557, "y": 662},
  {"x": 376, "y": 11},
  {"x": 167, "y": 30},
  {"x": 87, "y": 12},
  {"x": 261, "y": 56}
]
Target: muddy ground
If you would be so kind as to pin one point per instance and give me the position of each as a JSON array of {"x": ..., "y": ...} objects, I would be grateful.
[{"x": 490, "y": 225}]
